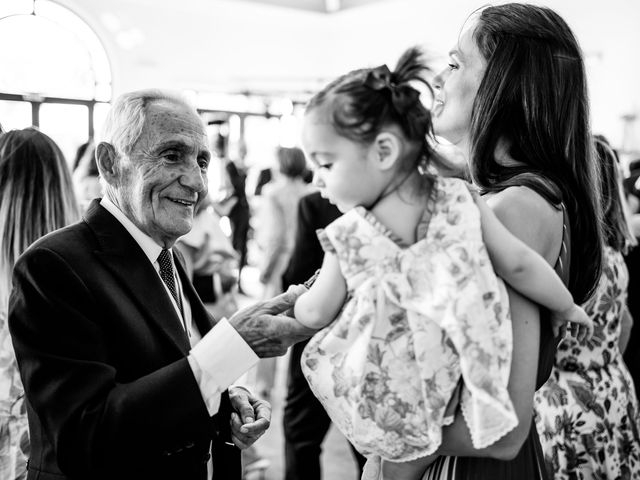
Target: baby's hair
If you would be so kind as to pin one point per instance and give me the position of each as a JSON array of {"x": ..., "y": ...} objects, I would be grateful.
[{"x": 365, "y": 101}]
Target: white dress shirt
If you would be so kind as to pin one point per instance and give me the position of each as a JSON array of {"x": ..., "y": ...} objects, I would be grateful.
[{"x": 218, "y": 358}]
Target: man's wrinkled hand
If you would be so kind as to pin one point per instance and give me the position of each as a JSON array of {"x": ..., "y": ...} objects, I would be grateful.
[
  {"x": 268, "y": 332},
  {"x": 250, "y": 419}
]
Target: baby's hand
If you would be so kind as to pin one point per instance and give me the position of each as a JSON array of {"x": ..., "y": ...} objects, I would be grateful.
[{"x": 576, "y": 320}]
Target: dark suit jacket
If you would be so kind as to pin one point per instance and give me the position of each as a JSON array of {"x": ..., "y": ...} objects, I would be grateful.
[
  {"x": 314, "y": 212},
  {"x": 102, "y": 355}
]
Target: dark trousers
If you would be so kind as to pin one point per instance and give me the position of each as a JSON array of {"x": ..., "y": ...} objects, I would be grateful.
[
  {"x": 305, "y": 425},
  {"x": 240, "y": 218}
]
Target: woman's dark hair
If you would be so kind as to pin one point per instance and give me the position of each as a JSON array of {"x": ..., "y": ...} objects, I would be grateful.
[
  {"x": 533, "y": 96},
  {"x": 617, "y": 233},
  {"x": 364, "y": 101},
  {"x": 80, "y": 153},
  {"x": 291, "y": 161}
]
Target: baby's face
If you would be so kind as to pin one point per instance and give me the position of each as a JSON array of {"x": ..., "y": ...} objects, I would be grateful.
[{"x": 344, "y": 170}]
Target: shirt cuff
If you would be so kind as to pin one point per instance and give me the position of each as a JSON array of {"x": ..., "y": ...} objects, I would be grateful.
[{"x": 218, "y": 360}]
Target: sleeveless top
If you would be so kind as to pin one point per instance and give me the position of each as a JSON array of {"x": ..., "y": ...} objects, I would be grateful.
[{"x": 425, "y": 328}]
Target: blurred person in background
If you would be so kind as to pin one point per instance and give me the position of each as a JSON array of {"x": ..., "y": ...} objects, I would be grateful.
[
  {"x": 231, "y": 199},
  {"x": 239, "y": 214},
  {"x": 275, "y": 230},
  {"x": 632, "y": 259},
  {"x": 265, "y": 176},
  {"x": 587, "y": 412},
  {"x": 80, "y": 153},
  {"x": 86, "y": 177},
  {"x": 305, "y": 420},
  {"x": 36, "y": 197},
  {"x": 211, "y": 261},
  {"x": 277, "y": 219}
]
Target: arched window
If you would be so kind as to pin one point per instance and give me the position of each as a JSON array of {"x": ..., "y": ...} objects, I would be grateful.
[{"x": 55, "y": 72}]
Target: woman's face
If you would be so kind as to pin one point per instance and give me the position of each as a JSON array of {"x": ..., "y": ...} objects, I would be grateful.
[{"x": 456, "y": 89}]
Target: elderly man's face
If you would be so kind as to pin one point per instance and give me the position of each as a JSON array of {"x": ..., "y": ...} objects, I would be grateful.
[{"x": 165, "y": 175}]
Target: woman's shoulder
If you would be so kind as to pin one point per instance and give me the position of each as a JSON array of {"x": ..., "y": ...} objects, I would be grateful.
[
  {"x": 529, "y": 216},
  {"x": 523, "y": 201}
]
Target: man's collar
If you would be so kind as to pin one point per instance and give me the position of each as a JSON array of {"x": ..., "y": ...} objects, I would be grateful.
[{"x": 150, "y": 248}]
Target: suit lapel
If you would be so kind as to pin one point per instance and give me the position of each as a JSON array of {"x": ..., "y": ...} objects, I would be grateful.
[{"x": 122, "y": 255}]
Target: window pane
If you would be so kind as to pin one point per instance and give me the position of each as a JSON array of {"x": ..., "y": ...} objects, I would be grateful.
[
  {"x": 262, "y": 136},
  {"x": 68, "y": 125},
  {"x": 100, "y": 111},
  {"x": 15, "y": 115},
  {"x": 54, "y": 53}
]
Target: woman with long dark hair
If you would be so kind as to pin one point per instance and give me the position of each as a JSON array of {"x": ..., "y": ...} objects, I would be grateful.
[{"x": 514, "y": 100}]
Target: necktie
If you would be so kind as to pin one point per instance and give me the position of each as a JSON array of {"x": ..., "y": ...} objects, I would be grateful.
[{"x": 166, "y": 273}]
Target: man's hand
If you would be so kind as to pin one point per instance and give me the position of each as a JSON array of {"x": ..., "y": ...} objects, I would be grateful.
[
  {"x": 250, "y": 419},
  {"x": 267, "y": 332}
]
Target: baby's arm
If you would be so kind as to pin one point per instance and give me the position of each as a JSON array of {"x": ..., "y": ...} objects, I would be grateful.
[
  {"x": 526, "y": 271},
  {"x": 320, "y": 305}
]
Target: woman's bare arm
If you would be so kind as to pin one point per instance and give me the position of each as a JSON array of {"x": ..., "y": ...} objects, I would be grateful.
[{"x": 539, "y": 225}]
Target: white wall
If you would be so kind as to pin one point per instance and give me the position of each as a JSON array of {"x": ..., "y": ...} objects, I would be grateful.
[{"x": 232, "y": 45}]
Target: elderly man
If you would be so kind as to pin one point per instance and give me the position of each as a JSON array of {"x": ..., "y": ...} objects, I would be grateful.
[{"x": 125, "y": 374}]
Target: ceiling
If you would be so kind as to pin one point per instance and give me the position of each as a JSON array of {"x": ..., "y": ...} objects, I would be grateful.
[
  {"x": 293, "y": 47},
  {"x": 325, "y": 6}
]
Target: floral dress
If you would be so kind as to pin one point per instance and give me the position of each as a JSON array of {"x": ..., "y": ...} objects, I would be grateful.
[
  {"x": 587, "y": 412},
  {"x": 14, "y": 435},
  {"x": 425, "y": 329}
]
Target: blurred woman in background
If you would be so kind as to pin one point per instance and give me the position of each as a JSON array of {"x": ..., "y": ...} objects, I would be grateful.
[
  {"x": 85, "y": 176},
  {"x": 587, "y": 412},
  {"x": 36, "y": 197},
  {"x": 276, "y": 224},
  {"x": 277, "y": 218}
]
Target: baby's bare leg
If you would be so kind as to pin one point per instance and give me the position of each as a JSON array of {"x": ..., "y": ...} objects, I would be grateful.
[{"x": 412, "y": 470}]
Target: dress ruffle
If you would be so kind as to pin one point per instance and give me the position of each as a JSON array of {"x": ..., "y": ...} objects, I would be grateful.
[{"x": 418, "y": 320}]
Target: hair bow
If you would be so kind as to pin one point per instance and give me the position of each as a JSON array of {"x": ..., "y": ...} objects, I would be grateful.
[{"x": 403, "y": 95}]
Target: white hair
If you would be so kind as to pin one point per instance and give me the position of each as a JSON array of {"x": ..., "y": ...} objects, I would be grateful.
[{"x": 125, "y": 121}]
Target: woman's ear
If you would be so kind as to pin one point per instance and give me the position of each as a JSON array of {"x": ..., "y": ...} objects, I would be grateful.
[
  {"x": 107, "y": 162},
  {"x": 387, "y": 148}
]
